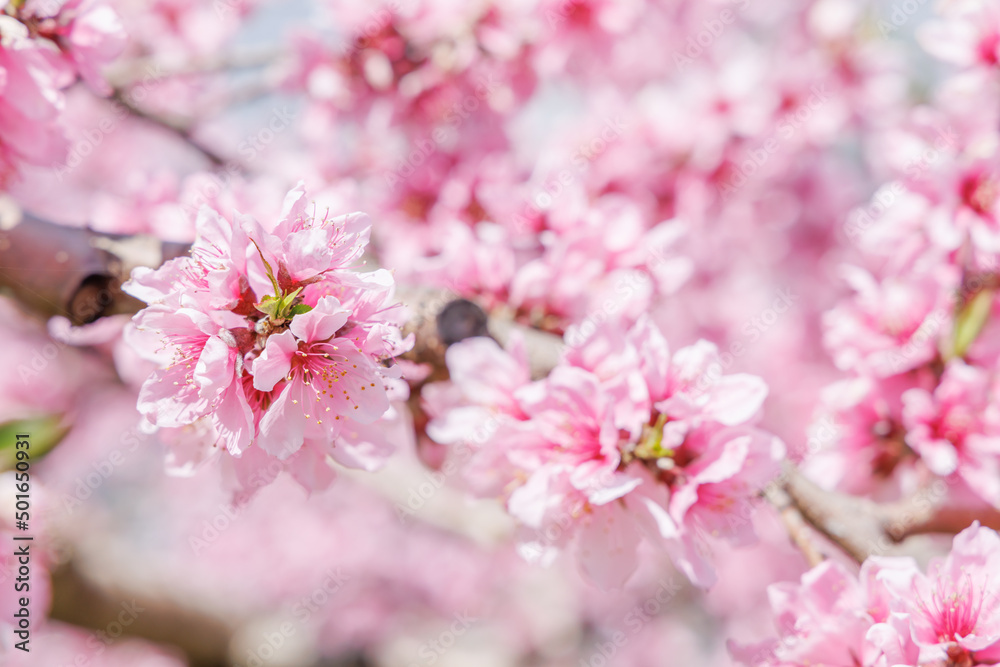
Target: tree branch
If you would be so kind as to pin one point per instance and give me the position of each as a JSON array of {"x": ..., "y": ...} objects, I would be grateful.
[
  {"x": 175, "y": 126},
  {"x": 140, "y": 71},
  {"x": 796, "y": 525},
  {"x": 863, "y": 527},
  {"x": 854, "y": 524},
  {"x": 77, "y": 599},
  {"x": 56, "y": 270}
]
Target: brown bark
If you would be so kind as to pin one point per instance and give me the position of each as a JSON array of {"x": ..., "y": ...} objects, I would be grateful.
[
  {"x": 202, "y": 638},
  {"x": 57, "y": 270}
]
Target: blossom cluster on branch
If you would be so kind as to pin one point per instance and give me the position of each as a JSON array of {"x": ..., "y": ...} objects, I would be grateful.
[
  {"x": 890, "y": 613},
  {"x": 622, "y": 438},
  {"x": 917, "y": 336},
  {"x": 270, "y": 338}
]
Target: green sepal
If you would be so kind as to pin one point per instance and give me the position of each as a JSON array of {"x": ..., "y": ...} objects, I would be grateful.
[
  {"x": 280, "y": 308},
  {"x": 43, "y": 433},
  {"x": 270, "y": 306},
  {"x": 970, "y": 321},
  {"x": 651, "y": 443}
]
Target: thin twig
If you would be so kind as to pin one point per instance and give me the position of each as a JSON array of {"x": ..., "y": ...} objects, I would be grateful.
[
  {"x": 144, "y": 70},
  {"x": 177, "y": 127},
  {"x": 797, "y": 527}
]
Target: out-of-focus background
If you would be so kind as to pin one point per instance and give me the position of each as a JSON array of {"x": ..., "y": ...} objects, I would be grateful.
[{"x": 475, "y": 134}]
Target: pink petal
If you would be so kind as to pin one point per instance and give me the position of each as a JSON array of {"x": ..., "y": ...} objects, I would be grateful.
[
  {"x": 320, "y": 323},
  {"x": 233, "y": 419},
  {"x": 275, "y": 361},
  {"x": 607, "y": 546}
]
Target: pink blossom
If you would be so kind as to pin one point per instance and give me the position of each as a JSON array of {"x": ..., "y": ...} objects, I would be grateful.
[
  {"x": 618, "y": 424},
  {"x": 609, "y": 255},
  {"x": 891, "y": 614},
  {"x": 88, "y": 32},
  {"x": 967, "y": 34},
  {"x": 859, "y": 437},
  {"x": 955, "y": 429},
  {"x": 832, "y": 616},
  {"x": 30, "y": 102},
  {"x": 818, "y": 618},
  {"x": 890, "y": 326},
  {"x": 326, "y": 376},
  {"x": 200, "y": 367},
  {"x": 713, "y": 476},
  {"x": 254, "y": 340},
  {"x": 955, "y": 608},
  {"x": 978, "y": 206}
]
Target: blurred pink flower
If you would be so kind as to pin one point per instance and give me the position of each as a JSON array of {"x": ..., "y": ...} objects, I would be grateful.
[
  {"x": 31, "y": 78},
  {"x": 889, "y": 326},
  {"x": 956, "y": 429},
  {"x": 967, "y": 34}
]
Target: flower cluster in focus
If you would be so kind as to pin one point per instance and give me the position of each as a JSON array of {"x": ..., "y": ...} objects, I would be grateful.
[
  {"x": 891, "y": 613},
  {"x": 622, "y": 440},
  {"x": 271, "y": 342}
]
